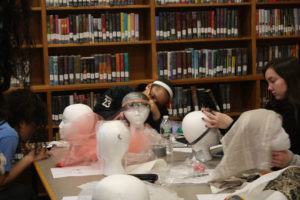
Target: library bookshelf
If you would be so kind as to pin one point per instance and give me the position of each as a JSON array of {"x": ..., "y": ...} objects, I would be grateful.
[{"x": 245, "y": 90}]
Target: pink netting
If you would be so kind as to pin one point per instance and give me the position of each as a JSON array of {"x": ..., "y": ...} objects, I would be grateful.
[
  {"x": 82, "y": 143},
  {"x": 141, "y": 143}
]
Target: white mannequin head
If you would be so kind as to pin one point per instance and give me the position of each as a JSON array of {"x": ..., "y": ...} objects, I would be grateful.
[
  {"x": 113, "y": 140},
  {"x": 136, "y": 108},
  {"x": 120, "y": 187},
  {"x": 198, "y": 135},
  {"x": 70, "y": 114}
]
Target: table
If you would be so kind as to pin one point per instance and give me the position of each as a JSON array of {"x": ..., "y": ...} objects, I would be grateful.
[{"x": 60, "y": 187}]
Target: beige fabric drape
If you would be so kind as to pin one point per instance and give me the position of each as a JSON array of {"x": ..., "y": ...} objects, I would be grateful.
[{"x": 249, "y": 142}]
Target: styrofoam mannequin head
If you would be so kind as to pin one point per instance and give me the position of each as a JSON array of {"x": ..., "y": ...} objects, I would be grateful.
[
  {"x": 120, "y": 187},
  {"x": 113, "y": 139},
  {"x": 137, "y": 114},
  {"x": 136, "y": 108},
  {"x": 198, "y": 135},
  {"x": 70, "y": 114}
]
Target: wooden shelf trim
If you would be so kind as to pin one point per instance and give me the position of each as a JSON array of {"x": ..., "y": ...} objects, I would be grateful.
[
  {"x": 277, "y": 37},
  {"x": 203, "y": 5},
  {"x": 36, "y": 8},
  {"x": 33, "y": 47},
  {"x": 204, "y": 40},
  {"x": 99, "y": 44},
  {"x": 88, "y": 86},
  {"x": 98, "y": 8},
  {"x": 187, "y": 81},
  {"x": 222, "y": 79},
  {"x": 278, "y": 3}
]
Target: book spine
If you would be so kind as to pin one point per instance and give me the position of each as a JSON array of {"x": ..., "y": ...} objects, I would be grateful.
[
  {"x": 126, "y": 65},
  {"x": 51, "y": 70},
  {"x": 122, "y": 67},
  {"x": 108, "y": 68},
  {"x": 113, "y": 68},
  {"x": 118, "y": 68}
]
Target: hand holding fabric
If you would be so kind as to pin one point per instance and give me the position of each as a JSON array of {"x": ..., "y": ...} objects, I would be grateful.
[{"x": 281, "y": 159}]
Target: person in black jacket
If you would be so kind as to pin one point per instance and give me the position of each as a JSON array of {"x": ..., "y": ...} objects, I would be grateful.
[
  {"x": 283, "y": 78},
  {"x": 160, "y": 92}
]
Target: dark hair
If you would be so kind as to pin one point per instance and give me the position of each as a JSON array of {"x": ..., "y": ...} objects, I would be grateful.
[
  {"x": 167, "y": 82},
  {"x": 22, "y": 104},
  {"x": 288, "y": 68}
]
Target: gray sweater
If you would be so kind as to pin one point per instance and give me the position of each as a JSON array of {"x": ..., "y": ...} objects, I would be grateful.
[{"x": 295, "y": 159}]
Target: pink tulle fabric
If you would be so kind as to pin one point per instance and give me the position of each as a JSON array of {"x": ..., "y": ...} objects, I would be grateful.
[
  {"x": 141, "y": 143},
  {"x": 81, "y": 137}
]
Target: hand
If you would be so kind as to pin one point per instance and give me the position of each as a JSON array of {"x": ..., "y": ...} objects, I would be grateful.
[
  {"x": 217, "y": 120},
  {"x": 38, "y": 154},
  {"x": 120, "y": 116},
  {"x": 154, "y": 110},
  {"x": 281, "y": 159},
  {"x": 153, "y": 107}
]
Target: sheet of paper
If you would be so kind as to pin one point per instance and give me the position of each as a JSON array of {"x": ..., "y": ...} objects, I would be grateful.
[
  {"x": 212, "y": 196},
  {"x": 69, "y": 198},
  {"x": 186, "y": 150},
  {"x": 146, "y": 167},
  {"x": 76, "y": 171}
]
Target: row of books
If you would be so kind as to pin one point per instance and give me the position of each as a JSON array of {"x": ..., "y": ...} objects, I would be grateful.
[
  {"x": 86, "y": 28},
  {"x": 78, "y": 3},
  {"x": 274, "y": 22},
  {"x": 163, "y": 2},
  {"x": 59, "y": 102},
  {"x": 266, "y": 54},
  {"x": 219, "y": 22},
  {"x": 99, "y": 68},
  {"x": 192, "y": 63},
  {"x": 193, "y": 99},
  {"x": 22, "y": 75}
]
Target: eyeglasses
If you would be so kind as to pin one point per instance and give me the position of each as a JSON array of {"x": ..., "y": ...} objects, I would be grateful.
[{"x": 135, "y": 105}]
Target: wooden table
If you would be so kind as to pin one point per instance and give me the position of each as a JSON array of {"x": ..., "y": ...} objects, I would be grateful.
[{"x": 59, "y": 187}]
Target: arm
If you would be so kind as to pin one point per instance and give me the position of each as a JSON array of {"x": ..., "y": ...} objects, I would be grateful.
[
  {"x": 21, "y": 166},
  {"x": 110, "y": 102}
]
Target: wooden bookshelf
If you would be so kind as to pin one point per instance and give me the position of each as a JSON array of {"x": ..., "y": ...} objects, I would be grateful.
[{"x": 245, "y": 93}]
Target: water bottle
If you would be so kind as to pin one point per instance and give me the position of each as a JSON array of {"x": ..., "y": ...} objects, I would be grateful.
[{"x": 166, "y": 132}]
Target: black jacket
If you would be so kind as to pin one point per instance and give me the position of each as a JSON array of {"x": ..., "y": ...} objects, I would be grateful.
[
  {"x": 289, "y": 123},
  {"x": 110, "y": 103}
]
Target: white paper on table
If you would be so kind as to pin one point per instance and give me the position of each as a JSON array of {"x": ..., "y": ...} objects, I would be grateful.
[
  {"x": 185, "y": 150},
  {"x": 195, "y": 179},
  {"x": 69, "y": 198},
  {"x": 146, "y": 167},
  {"x": 76, "y": 171},
  {"x": 212, "y": 196}
]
